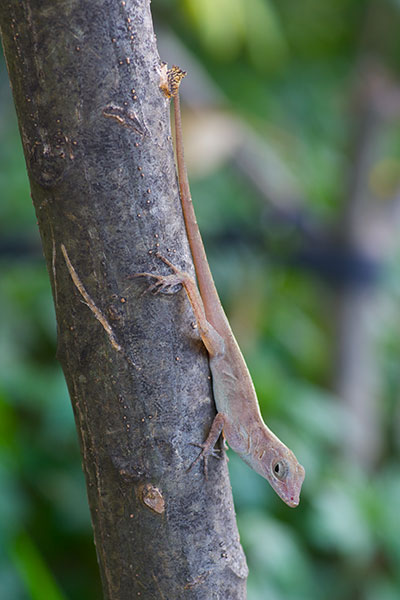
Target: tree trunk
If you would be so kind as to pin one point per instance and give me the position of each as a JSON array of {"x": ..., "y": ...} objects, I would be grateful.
[{"x": 96, "y": 136}]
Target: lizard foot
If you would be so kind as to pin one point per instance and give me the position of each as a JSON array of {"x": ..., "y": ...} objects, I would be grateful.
[
  {"x": 162, "y": 283},
  {"x": 208, "y": 448},
  {"x": 204, "y": 455}
]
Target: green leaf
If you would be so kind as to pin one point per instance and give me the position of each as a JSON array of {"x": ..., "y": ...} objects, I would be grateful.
[{"x": 33, "y": 570}]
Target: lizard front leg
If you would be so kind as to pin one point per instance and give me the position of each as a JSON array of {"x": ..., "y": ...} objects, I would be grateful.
[{"x": 208, "y": 448}]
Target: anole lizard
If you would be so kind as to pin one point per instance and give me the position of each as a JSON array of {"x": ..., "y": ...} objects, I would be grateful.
[{"x": 238, "y": 416}]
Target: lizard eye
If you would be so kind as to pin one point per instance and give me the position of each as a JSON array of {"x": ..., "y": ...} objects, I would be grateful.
[{"x": 280, "y": 469}]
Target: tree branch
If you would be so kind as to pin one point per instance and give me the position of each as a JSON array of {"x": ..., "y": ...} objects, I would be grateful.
[{"x": 96, "y": 137}]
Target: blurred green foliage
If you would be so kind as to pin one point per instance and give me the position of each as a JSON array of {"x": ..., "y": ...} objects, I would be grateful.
[{"x": 288, "y": 69}]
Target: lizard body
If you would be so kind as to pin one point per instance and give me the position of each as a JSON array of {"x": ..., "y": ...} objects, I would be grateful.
[{"x": 238, "y": 414}]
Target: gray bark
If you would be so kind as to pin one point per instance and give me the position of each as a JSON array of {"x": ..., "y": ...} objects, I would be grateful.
[{"x": 96, "y": 137}]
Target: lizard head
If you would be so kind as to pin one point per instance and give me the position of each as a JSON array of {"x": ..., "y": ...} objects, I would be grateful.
[
  {"x": 274, "y": 461},
  {"x": 286, "y": 476}
]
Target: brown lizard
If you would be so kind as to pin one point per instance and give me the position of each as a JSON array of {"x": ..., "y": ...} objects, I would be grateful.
[{"x": 238, "y": 416}]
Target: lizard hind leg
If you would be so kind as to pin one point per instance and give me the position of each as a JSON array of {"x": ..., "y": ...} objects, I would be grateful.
[
  {"x": 162, "y": 283},
  {"x": 209, "y": 335},
  {"x": 165, "y": 283}
]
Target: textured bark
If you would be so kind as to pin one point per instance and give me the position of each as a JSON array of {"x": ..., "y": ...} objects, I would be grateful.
[{"x": 96, "y": 136}]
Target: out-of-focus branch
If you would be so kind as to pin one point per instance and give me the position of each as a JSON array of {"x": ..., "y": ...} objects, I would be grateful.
[{"x": 368, "y": 227}]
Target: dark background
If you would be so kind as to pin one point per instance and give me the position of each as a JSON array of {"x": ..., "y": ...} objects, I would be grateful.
[{"x": 291, "y": 123}]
